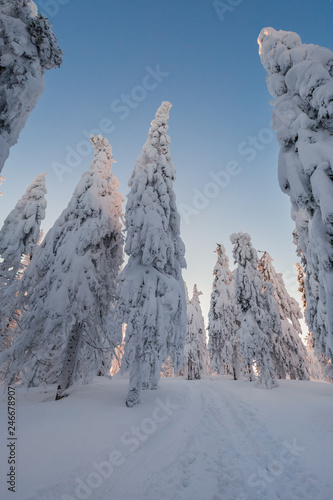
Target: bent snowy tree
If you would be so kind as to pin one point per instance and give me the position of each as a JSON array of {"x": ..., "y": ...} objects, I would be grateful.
[
  {"x": 300, "y": 79},
  {"x": 19, "y": 236},
  {"x": 196, "y": 359},
  {"x": 70, "y": 286},
  {"x": 256, "y": 320},
  {"x": 151, "y": 288},
  {"x": 223, "y": 320},
  {"x": 290, "y": 353},
  {"x": 28, "y": 49}
]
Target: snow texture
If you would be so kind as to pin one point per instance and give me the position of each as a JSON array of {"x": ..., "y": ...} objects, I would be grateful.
[
  {"x": 213, "y": 439},
  {"x": 71, "y": 282},
  {"x": 300, "y": 79},
  {"x": 151, "y": 287},
  {"x": 28, "y": 48}
]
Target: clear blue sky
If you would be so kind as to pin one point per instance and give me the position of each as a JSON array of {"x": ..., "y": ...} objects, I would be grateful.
[{"x": 211, "y": 73}]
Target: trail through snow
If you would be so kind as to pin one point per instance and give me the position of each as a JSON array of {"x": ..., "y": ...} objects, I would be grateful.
[{"x": 213, "y": 439}]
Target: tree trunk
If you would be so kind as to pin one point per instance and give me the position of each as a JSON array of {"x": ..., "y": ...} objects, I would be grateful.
[
  {"x": 235, "y": 363},
  {"x": 135, "y": 384},
  {"x": 70, "y": 362},
  {"x": 190, "y": 369},
  {"x": 155, "y": 371},
  {"x": 249, "y": 366}
]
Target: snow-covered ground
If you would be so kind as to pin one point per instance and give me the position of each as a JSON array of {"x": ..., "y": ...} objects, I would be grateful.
[{"x": 212, "y": 439}]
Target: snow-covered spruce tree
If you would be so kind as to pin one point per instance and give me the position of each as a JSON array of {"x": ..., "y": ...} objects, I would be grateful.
[
  {"x": 196, "y": 359},
  {"x": 318, "y": 364},
  {"x": 28, "y": 49},
  {"x": 290, "y": 352},
  {"x": 256, "y": 321},
  {"x": 301, "y": 282},
  {"x": 151, "y": 288},
  {"x": 119, "y": 350},
  {"x": 70, "y": 286},
  {"x": 223, "y": 321},
  {"x": 20, "y": 232},
  {"x": 319, "y": 368},
  {"x": 300, "y": 78},
  {"x": 19, "y": 236},
  {"x": 167, "y": 369}
]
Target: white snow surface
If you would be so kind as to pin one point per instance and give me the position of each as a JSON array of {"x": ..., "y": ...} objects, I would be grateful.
[
  {"x": 33, "y": 8},
  {"x": 209, "y": 439}
]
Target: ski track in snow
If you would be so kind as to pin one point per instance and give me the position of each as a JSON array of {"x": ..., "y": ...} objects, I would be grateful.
[
  {"x": 213, "y": 447},
  {"x": 222, "y": 453}
]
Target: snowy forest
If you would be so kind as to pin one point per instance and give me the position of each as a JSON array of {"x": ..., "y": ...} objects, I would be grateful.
[{"x": 101, "y": 294}]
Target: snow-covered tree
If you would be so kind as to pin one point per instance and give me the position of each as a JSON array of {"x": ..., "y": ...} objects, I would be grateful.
[
  {"x": 151, "y": 287},
  {"x": 256, "y": 320},
  {"x": 70, "y": 286},
  {"x": 20, "y": 232},
  {"x": 19, "y": 236},
  {"x": 167, "y": 369},
  {"x": 223, "y": 321},
  {"x": 118, "y": 354},
  {"x": 28, "y": 49},
  {"x": 301, "y": 282},
  {"x": 196, "y": 357},
  {"x": 290, "y": 352},
  {"x": 300, "y": 79},
  {"x": 319, "y": 366}
]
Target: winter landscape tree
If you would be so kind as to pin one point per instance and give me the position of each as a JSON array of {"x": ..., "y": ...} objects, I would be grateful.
[
  {"x": 256, "y": 320},
  {"x": 317, "y": 363},
  {"x": 70, "y": 285},
  {"x": 291, "y": 353},
  {"x": 19, "y": 236},
  {"x": 151, "y": 288},
  {"x": 223, "y": 321},
  {"x": 300, "y": 79},
  {"x": 195, "y": 363},
  {"x": 167, "y": 369},
  {"x": 28, "y": 49}
]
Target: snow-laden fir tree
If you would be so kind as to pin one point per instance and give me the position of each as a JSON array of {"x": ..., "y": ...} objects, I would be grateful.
[
  {"x": 300, "y": 79},
  {"x": 319, "y": 367},
  {"x": 167, "y": 369},
  {"x": 20, "y": 232},
  {"x": 118, "y": 352},
  {"x": 151, "y": 287},
  {"x": 223, "y": 321},
  {"x": 28, "y": 49},
  {"x": 257, "y": 322},
  {"x": 196, "y": 359},
  {"x": 318, "y": 364},
  {"x": 19, "y": 236},
  {"x": 301, "y": 282},
  {"x": 290, "y": 353},
  {"x": 70, "y": 284}
]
